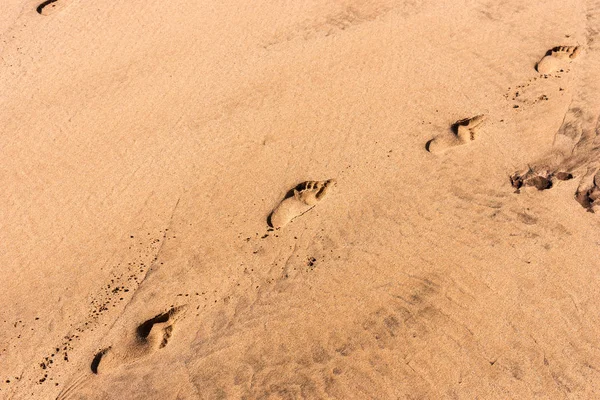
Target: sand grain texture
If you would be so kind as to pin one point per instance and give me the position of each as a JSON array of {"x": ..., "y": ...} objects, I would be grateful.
[{"x": 145, "y": 144}]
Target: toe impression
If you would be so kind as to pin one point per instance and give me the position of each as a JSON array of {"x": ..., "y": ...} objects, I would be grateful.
[{"x": 300, "y": 200}]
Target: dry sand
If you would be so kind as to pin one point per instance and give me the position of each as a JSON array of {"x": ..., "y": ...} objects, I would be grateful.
[{"x": 144, "y": 145}]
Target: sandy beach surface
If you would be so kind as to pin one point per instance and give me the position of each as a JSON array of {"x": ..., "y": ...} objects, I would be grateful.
[{"x": 341, "y": 199}]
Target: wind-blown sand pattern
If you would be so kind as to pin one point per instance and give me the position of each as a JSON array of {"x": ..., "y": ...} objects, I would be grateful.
[{"x": 144, "y": 144}]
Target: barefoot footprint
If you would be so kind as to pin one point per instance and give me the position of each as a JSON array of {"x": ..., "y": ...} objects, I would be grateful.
[
  {"x": 298, "y": 201},
  {"x": 149, "y": 336},
  {"x": 556, "y": 58},
  {"x": 465, "y": 131}
]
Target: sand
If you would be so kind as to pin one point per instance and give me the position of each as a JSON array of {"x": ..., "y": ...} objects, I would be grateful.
[{"x": 145, "y": 144}]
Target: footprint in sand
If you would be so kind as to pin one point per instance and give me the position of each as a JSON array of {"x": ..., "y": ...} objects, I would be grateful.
[
  {"x": 149, "y": 336},
  {"x": 49, "y": 7},
  {"x": 299, "y": 201},
  {"x": 465, "y": 131},
  {"x": 556, "y": 58}
]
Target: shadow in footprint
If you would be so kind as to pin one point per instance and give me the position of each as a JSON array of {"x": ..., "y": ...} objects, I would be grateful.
[
  {"x": 51, "y": 6},
  {"x": 144, "y": 329},
  {"x": 97, "y": 359},
  {"x": 42, "y": 6},
  {"x": 428, "y": 145}
]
